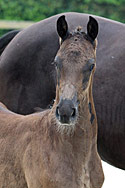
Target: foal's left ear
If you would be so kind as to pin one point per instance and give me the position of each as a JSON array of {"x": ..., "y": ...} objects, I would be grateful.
[
  {"x": 92, "y": 28},
  {"x": 62, "y": 27}
]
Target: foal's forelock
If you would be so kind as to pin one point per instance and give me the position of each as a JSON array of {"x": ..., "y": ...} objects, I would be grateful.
[{"x": 77, "y": 33}]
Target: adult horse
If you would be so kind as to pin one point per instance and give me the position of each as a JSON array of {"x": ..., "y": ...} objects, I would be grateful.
[{"x": 27, "y": 77}]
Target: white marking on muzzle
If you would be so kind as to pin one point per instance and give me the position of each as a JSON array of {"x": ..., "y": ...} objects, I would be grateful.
[{"x": 68, "y": 91}]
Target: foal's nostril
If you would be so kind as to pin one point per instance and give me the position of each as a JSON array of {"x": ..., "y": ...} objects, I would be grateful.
[
  {"x": 73, "y": 114},
  {"x": 57, "y": 111}
]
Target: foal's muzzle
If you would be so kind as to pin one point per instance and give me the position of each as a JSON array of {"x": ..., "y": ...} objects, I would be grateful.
[{"x": 66, "y": 112}]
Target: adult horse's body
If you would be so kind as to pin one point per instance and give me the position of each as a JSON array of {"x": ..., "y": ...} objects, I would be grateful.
[{"x": 27, "y": 77}]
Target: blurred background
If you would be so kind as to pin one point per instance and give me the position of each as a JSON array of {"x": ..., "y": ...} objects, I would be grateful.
[{"x": 36, "y": 10}]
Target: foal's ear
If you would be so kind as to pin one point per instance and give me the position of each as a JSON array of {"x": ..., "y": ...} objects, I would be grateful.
[
  {"x": 92, "y": 28},
  {"x": 62, "y": 27}
]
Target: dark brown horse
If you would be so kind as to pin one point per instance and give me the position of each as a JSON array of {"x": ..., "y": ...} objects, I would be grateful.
[
  {"x": 5, "y": 39},
  {"x": 27, "y": 77},
  {"x": 57, "y": 148}
]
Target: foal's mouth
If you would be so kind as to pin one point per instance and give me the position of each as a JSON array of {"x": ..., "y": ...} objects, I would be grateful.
[
  {"x": 66, "y": 125},
  {"x": 71, "y": 124},
  {"x": 65, "y": 128}
]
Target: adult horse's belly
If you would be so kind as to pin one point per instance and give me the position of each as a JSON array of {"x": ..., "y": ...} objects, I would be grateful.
[{"x": 27, "y": 77}]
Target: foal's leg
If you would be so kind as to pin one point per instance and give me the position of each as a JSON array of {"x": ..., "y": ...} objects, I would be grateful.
[
  {"x": 31, "y": 169},
  {"x": 31, "y": 181},
  {"x": 95, "y": 169}
]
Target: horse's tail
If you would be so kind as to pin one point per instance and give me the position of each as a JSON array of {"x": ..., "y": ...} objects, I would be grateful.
[{"x": 5, "y": 39}]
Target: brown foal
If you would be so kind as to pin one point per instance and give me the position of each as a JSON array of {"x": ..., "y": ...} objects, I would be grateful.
[{"x": 57, "y": 148}]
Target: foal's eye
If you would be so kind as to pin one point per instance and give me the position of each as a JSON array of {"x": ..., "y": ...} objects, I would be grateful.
[
  {"x": 58, "y": 63},
  {"x": 91, "y": 67},
  {"x": 55, "y": 63}
]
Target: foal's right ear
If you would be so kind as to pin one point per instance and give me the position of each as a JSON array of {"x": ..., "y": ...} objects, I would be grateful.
[
  {"x": 62, "y": 27},
  {"x": 92, "y": 28}
]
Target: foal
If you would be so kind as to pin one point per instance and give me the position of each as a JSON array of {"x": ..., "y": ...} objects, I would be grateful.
[{"x": 57, "y": 148}]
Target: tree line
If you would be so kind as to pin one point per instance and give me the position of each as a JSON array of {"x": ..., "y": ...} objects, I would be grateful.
[{"x": 35, "y": 10}]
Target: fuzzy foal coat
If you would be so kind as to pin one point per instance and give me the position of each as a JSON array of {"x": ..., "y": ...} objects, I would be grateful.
[
  {"x": 34, "y": 154},
  {"x": 37, "y": 151}
]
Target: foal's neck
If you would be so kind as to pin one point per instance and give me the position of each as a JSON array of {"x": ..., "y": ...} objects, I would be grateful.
[{"x": 72, "y": 152}]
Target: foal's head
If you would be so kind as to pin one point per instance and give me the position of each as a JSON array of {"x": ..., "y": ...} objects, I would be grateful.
[{"x": 75, "y": 65}]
